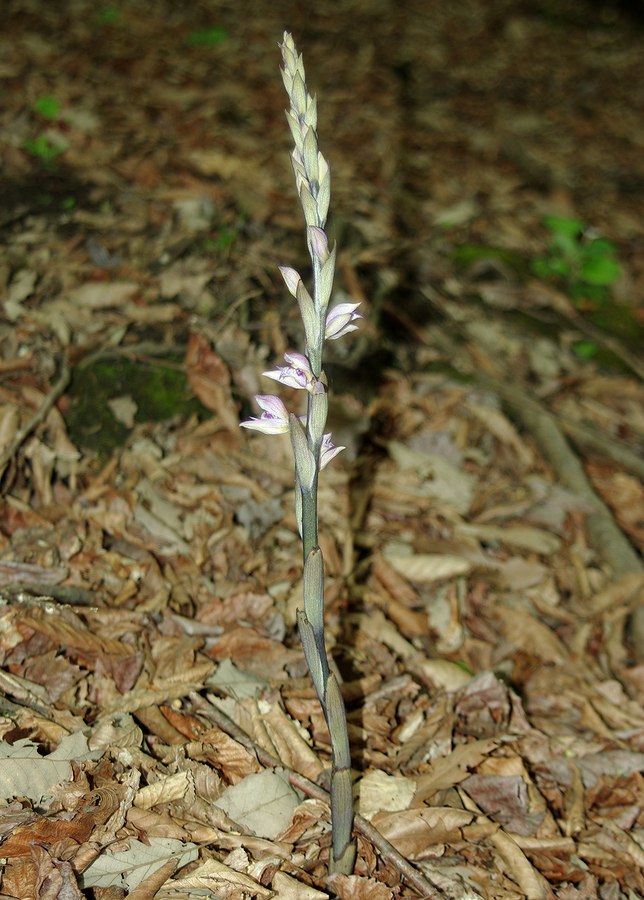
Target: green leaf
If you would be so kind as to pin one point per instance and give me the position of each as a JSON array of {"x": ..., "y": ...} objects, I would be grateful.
[
  {"x": 564, "y": 226},
  {"x": 43, "y": 148},
  {"x": 46, "y": 106},
  {"x": 600, "y": 270}
]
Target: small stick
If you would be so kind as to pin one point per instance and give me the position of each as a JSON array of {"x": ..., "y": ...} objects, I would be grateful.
[
  {"x": 386, "y": 850},
  {"x": 40, "y": 414}
]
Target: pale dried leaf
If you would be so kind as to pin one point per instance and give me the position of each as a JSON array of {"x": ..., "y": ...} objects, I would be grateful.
[
  {"x": 97, "y": 295},
  {"x": 25, "y": 773},
  {"x": 263, "y": 803},
  {"x": 287, "y": 888},
  {"x": 379, "y": 792},
  {"x": 414, "y": 832},
  {"x": 171, "y": 787},
  {"x": 424, "y": 568},
  {"x": 128, "y": 868},
  {"x": 212, "y": 875}
]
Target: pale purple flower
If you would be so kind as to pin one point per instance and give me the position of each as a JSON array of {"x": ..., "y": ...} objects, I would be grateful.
[
  {"x": 274, "y": 418},
  {"x": 328, "y": 450},
  {"x": 319, "y": 243},
  {"x": 339, "y": 320},
  {"x": 298, "y": 373}
]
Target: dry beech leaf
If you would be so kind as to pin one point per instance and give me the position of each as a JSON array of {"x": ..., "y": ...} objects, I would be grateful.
[
  {"x": 212, "y": 875},
  {"x": 531, "y": 634},
  {"x": 128, "y": 868},
  {"x": 9, "y": 422},
  {"x": 447, "y": 771},
  {"x": 379, "y": 792},
  {"x": 102, "y": 295},
  {"x": 502, "y": 429},
  {"x": 444, "y": 674},
  {"x": 440, "y": 478},
  {"x": 25, "y": 773},
  {"x": 288, "y": 741},
  {"x": 209, "y": 378},
  {"x": 120, "y": 731},
  {"x": 234, "y": 682},
  {"x": 355, "y": 887},
  {"x": 424, "y": 568},
  {"x": 263, "y": 803},
  {"x": 288, "y": 888},
  {"x": 172, "y": 787},
  {"x": 149, "y": 887},
  {"x": 523, "y": 537},
  {"x": 414, "y": 831},
  {"x": 224, "y": 754},
  {"x": 124, "y": 409}
]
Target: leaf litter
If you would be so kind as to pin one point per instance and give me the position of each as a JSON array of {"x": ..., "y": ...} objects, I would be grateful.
[{"x": 160, "y": 736}]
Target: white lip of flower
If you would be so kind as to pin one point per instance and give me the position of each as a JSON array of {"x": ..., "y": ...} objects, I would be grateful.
[
  {"x": 297, "y": 374},
  {"x": 274, "y": 418},
  {"x": 328, "y": 450},
  {"x": 339, "y": 320}
]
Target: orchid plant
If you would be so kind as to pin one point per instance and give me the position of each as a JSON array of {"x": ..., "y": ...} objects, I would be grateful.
[{"x": 312, "y": 446}]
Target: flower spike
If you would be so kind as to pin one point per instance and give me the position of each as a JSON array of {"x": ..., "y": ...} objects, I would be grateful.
[{"x": 312, "y": 448}]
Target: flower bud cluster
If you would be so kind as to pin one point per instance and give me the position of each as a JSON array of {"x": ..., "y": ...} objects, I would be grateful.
[{"x": 312, "y": 446}]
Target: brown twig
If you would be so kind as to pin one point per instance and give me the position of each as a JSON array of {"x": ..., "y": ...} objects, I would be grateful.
[
  {"x": 444, "y": 887},
  {"x": 39, "y": 416}
]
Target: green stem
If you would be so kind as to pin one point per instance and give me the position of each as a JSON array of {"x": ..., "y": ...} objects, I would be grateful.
[
  {"x": 343, "y": 851},
  {"x": 309, "y": 520}
]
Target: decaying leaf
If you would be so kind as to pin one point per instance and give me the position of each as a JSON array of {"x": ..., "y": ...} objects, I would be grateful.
[
  {"x": 25, "y": 773},
  {"x": 127, "y": 868},
  {"x": 263, "y": 803}
]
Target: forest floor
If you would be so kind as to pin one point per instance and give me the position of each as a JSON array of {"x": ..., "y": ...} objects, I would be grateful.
[{"x": 482, "y": 530}]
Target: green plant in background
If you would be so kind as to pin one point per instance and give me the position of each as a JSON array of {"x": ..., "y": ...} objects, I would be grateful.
[
  {"x": 108, "y": 15},
  {"x": 312, "y": 448},
  {"x": 43, "y": 147},
  {"x": 208, "y": 37},
  {"x": 226, "y": 237},
  {"x": 47, "y": 106},
  {"x": 585, "y": 263}
]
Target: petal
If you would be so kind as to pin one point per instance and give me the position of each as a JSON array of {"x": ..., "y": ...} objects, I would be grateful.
[
  {"x": 339, "y": 319},
  {"x": 298, "y": 361},
  {"x": 328, "y": 451},
  {"x": 327, "y": 455},
  {"x": 289, "y": 376},
  {"x": 342, "y": 309},
  {"x": 272, "y": 405},
  {"x": 341, "y": 333},
  {"x": 274, "y": 418},
  {"x": 266, "y": 426}
]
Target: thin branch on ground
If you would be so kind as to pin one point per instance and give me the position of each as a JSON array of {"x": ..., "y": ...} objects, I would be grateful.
[
  {"x": 444, "y": 887},
  {"x": 590, "y": 439},
  {"x": 39, "y": 416}
]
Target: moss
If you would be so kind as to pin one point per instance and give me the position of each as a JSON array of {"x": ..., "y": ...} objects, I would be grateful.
[{"x": 160, "y": 392}]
